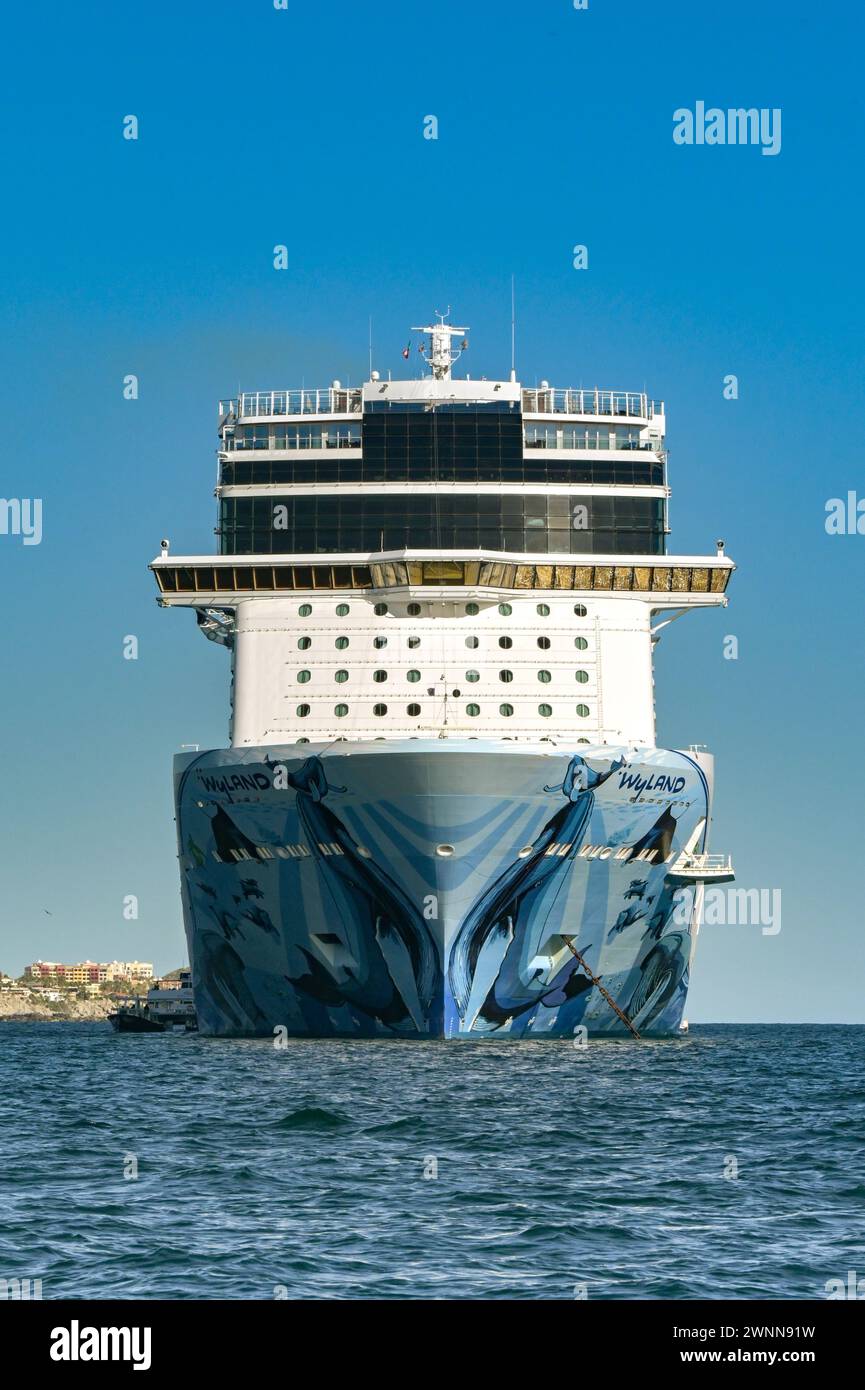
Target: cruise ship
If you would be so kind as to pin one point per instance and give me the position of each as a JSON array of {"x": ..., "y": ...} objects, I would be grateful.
[{"x": 442, "y": 812}]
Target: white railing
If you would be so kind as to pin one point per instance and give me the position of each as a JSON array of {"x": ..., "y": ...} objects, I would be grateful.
[
  {"x": 631, "y": 405},
  {"x": 328, "y": 400},
  {"x": 702, "y": 865}
]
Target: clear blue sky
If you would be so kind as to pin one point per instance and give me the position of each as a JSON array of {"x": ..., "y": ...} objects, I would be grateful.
[{"x": 304, "y": 127}]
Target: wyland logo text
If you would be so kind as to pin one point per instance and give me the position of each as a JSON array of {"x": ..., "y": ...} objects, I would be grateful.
[{"x": 660, "y": 783}]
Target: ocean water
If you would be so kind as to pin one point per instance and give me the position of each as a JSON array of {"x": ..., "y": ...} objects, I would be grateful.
[{"x": 432, "y": 1170}]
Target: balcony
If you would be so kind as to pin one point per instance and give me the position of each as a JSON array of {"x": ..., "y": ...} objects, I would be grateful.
[
  {"x": 330, "y": 400},
  {"x": 577, "y": 437},
  {"x": 629, "y": 405},
  {"x": 702, "y": 868}
]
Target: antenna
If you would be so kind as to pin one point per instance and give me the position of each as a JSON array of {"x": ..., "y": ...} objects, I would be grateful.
[
  {"x": 370, "y": 346},
  {"x": 513, "y": 334},
  {"x": 439, "y": 353}
]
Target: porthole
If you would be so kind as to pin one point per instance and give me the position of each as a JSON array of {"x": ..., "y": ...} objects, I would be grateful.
[
  {"x": 341, "y": 643},
  {"x": 413, "y": 610},
  {"x": 304, "y": 643},
  {"x": 379, "y": 642},
  {"x": 544, "y": 644},
  {"x": 413, "y": 642},
  {"x": 380, "y": 610},
  {"x": 412, "y": 675},
  {"x": 302, "y": 711},
  {"x": 472, "y": 642},
  {"x": 413, "y": 710},
  {"x": 545, "y": 711},
  {"x": 304, "y": 610},
  {"x": 340, "y": 676},
  {"x": 341, "y": 610},
  {"x": 379, "y": 676},
  {"x": 580, "y": 610},
  {"x": 544, "y": 677},
  {"x": 303, "y": 677},
  {"x": 473, "y": 711},
  {"x": 506, "y": 676},
  {"x": 525, "y": 851},
  {"x": 582, "y": 676},
  {"x": 445, "y": 851},
  {"x": 505, "y": 610},
  {"x": 583, "y": 711},
  {"x": 473, "y": 675},
  {"x": 580, "y": 643},
  {"x": 340, "y": 711},
  {"x": 544, "y": 610},
  {"x": 506, "y": 710},
  {"x": 506, "y": 642},
  {"x": 379, "y": 710},
  {"x": 472, "y": 609}
]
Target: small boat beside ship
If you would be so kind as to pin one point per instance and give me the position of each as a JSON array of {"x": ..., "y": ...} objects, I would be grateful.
[{"x": 162, "y": 1010}]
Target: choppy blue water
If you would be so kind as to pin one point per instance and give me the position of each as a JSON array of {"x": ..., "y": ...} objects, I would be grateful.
[{"x": 304, "y": 1168}]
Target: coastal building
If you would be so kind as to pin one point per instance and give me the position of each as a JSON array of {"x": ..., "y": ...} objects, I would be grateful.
[{"x": 90, "y": 972}]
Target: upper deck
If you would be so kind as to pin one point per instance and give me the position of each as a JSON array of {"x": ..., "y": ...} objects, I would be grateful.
[{"x": 577, "y": 403}]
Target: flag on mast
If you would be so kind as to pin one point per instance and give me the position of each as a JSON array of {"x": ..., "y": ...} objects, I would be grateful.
[{"x": 407, "y": 349}]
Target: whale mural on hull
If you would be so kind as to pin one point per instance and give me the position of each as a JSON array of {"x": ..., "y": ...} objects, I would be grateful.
[{"x": 307, "y": 906}]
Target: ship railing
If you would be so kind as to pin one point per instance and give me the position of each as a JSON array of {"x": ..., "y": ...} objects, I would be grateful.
[
  {"x": 329, "y": 400},
  {"x": 566, "y": 437},
  {"x": 237, "y": 444},
  {"x": 702, "y": 865},
  {"x": 548, "y": 400}
]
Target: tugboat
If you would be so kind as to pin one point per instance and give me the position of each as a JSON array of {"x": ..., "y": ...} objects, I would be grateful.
[{"x": 162, "y": 1011}]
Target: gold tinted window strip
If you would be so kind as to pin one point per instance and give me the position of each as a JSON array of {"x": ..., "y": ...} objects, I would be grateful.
[{"x": 644, "y": 578}]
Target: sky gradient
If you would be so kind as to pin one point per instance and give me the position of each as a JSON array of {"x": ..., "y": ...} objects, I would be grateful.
[{"x": 304, "y": 127}]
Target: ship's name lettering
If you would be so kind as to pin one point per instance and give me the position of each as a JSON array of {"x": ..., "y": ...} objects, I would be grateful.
[
  {"x": 237, "y": 782},
  {"x": 659, "y": 783}
]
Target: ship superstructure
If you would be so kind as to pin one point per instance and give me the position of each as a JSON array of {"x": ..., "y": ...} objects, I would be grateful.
[{"x": 442, "y": 812}]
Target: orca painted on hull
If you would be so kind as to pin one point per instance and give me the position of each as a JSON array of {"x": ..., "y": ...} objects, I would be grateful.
[{"x": 420, "y": 891}]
